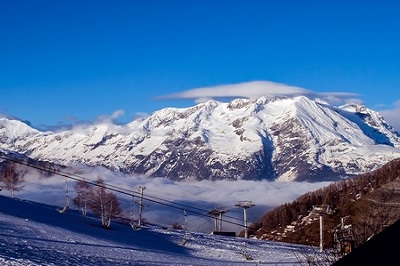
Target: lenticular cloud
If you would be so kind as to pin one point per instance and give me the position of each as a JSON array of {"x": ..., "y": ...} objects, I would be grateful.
[{"x": 254, "y": 90}]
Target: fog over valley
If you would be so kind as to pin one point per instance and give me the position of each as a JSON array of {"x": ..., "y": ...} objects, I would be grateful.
[{"x": 168, "y": 198}]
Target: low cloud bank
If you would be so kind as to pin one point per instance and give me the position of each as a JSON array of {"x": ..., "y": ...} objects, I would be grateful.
[{"x": 165, "y": 200}]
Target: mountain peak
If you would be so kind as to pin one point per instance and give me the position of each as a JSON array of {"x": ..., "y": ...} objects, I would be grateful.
[
  {"x": 11, "y": 129},
  {"x": 266, "y": 138},
  {"x": 354, "y": 107}
]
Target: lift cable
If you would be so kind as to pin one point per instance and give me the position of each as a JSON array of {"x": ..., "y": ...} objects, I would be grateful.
[{"x": 124, "y": 191}]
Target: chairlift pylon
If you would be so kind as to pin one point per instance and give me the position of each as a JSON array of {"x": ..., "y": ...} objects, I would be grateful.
[
  {"x": 186, "y": 236},
  {"x": 66, "y": 207},
  {"x": 132, "y": 223}
]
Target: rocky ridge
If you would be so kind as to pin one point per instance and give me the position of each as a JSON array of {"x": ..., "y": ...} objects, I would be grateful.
[{"x": 285, "y": 139}]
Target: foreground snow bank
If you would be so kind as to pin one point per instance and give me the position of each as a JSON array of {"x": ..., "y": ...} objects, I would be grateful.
[{"x": 37, "y": 234}]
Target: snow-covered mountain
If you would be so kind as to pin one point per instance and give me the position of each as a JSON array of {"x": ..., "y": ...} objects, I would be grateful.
[{"x": 278, "y": 139}]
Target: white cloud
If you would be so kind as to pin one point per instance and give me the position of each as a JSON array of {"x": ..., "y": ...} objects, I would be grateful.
[
  {"x": 111, "y": 118},
  {"x": 117, "y": 114},
  {"x": 254, "y": 90},
  {"x": 197, "y": 196},
  {"x": 74, "y": 124},
  {"x": 392, "y": 116},
  {"x": 338, "y": 97},
  {"x": 140, "y": 115}
]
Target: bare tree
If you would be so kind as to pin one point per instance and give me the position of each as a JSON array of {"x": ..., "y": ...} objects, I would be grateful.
[
  {"x": 104, "y": 204},
  {"x": 373, "y": 216},
  {"x": 83, "y": 191},
  {"x": 11, "y": 178}
]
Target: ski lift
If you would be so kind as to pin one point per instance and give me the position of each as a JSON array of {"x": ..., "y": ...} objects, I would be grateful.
[
  {"x": 66, "y": 207},
  {"x": 185, "y": 239},
  {"x": 135, "y": 226},
  {"x": 186, "y": 236},
  {"x": 132, "y": 222}
]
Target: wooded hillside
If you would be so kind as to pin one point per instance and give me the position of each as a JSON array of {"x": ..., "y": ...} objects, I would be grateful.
[{"x": 346, "y": 198}]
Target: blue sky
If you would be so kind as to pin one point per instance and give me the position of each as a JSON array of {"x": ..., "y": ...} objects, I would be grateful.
[{"x": 67, "y": 61}]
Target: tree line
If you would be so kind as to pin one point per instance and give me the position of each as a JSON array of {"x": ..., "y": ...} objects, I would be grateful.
[{"x": 340, "y": 196}]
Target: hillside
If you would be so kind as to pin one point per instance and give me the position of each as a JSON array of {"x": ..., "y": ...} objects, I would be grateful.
[
  {"x": 369, "y": 202},
  {"x": 37, "y": 234},
  {"x": 284, "y": 139}
]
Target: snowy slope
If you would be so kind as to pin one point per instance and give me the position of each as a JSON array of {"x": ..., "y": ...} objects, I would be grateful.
[
  {"x": 36, "y": 234},
  {"x": 11, "y": 130},
  {"x": 284, "y": 139}
]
